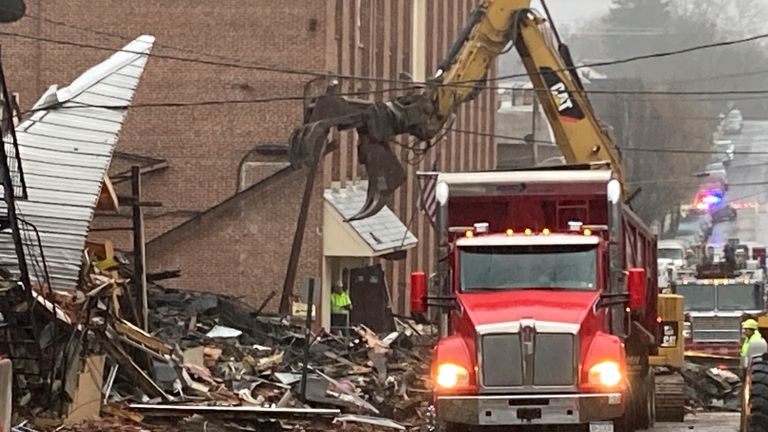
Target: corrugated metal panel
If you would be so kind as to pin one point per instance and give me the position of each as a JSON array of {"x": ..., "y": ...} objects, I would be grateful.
[
  {"x": 65, "y": 153},
  {"x": 382, "y": 231}
]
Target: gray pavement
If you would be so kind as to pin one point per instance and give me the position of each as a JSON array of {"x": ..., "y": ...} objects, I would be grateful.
[{"x": 703, "y": 422}]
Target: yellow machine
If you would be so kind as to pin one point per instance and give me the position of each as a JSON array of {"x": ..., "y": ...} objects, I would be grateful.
[
  {"x": 670, "y": 386},
  {"x": 425, "y": 110}
]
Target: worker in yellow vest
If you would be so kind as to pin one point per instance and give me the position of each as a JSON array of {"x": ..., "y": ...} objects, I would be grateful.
[
  {"x": 750, "y": 335},
  {"x": 340, "y": 301},
  {"x": 341, "y": 304}
]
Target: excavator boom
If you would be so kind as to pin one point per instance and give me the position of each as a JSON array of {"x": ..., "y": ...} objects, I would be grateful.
[{"x": 424, "y": 111}]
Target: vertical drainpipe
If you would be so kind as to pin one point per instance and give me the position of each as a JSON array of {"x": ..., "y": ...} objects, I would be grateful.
[
  {"x": 617, "y": 283},
  {"x": 442, "y": 270}
]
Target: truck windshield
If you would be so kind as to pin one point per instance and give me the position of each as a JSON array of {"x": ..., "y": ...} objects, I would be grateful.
[
  {"x": 675, "y": 254},
  {"x": 734, "y": 297},
  {"x": 739, "y": 297},
  {"x": 698, "y": 297},
  {"x": 488, "y": 268}
]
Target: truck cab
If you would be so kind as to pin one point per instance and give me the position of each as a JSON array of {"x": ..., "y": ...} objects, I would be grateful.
[
  {"x": 716, "y": 302},
  {"x": 552, "y": 318}
]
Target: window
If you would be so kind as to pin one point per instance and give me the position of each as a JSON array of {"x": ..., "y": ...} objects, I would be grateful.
[{"x": 675, "y": 254}]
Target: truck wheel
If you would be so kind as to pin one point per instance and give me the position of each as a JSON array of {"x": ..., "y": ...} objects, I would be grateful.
[
  {"x": 626, "y": 423},
  {"x": 645, "y": 406},
  {"x": 757, "y": 420}
]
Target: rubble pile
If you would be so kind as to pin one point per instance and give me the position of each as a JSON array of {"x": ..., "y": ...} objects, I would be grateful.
[
  {"x": 711, "y": 388},
  {"x": 213, "y": 362}
]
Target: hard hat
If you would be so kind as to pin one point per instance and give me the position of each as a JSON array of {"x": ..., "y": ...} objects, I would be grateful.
[{"x": 749, "y": 324}]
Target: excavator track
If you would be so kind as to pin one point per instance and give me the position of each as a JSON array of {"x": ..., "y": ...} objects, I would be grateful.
[{"x": 670, "y": 397}]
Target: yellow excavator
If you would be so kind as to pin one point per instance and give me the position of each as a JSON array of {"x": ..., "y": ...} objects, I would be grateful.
[{"x": 423, "y": 112}]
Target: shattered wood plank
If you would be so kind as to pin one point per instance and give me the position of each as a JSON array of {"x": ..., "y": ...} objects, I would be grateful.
[
  {"x": 333, "y": 356},
  {"x": 138, "y": 335},
  {"x": 86, "y": 403},
  {"x": 231, "y": 411},
  {"x": 351, "y": 396},
  {"x": 375, "y": 421},
  {"x": 117, "y": 411},
  {"x": 269, "y": 362},
  {"x": 142, "y": 380}
]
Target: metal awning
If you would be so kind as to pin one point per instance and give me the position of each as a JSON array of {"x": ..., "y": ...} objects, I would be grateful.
[
  {"x": 378, "y": 235},
  {"x": 66, "y": 147}
]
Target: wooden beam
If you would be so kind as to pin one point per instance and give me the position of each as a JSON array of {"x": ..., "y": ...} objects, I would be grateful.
[{"x": 107, "y": 197}]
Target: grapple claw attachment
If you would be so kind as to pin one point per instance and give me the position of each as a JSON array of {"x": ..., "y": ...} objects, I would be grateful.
[{"x": 385, "y": 175}]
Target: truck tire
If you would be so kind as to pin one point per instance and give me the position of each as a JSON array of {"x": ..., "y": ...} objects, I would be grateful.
[
  {"x": 626, "y": 423},
  {"x": 645, "y": 406},
  {"x": 757, "y": 421}
]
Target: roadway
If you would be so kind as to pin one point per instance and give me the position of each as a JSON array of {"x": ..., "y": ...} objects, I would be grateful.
[
  {"x": 703, "y": 422},
  {"x": 750, "y": 225},
  {"x": 753, "y": 198}
]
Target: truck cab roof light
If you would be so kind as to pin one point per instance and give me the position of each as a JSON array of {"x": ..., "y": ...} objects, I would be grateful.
[
  {"x": 510, "y": 232},
  {"x": 528, "y": 231},
  {"x": 545, "y": 231},
  {"x": 587, "y": 232},
  {"x": 469, "y": 234}
]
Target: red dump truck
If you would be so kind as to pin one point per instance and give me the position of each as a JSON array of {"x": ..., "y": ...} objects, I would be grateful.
[{"x": 547, "y": 287}]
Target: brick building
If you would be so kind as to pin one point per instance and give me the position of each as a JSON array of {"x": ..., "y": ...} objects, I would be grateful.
[{"x": 229, "y": 208}]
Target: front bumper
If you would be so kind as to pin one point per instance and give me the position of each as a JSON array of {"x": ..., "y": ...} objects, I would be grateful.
[{"x": 501, "y": 410}]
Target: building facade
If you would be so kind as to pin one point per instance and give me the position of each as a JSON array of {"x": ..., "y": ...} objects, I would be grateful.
[{"x": 216, "y": 106}]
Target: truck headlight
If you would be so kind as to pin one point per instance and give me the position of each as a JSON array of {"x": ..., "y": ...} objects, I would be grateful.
[
  {"x": 451, "y": 375},
  {"x": 607, "y": 373}
]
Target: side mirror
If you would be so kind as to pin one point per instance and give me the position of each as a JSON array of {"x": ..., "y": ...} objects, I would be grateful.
[
  {"x": 636, "y": 289},
  {"x": 418, "y": 292}
]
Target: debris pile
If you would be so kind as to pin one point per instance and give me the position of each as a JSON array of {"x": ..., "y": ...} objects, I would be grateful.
[
  {"x": 711, "y": 388},
  {"x": 214, "y": 359}
]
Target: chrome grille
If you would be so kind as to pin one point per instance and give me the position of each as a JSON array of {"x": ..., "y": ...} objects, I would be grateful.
[
  {"x": 552, "y": 363},
  {"x": 502, "y": 360},
  {"x": 716, "y": 328}
]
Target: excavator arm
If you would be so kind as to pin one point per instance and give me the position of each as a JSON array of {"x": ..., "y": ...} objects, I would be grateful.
[{"x": 424, "y": 111}]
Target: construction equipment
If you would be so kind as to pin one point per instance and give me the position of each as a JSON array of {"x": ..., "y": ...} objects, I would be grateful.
[{"x": 494, "y": 26}]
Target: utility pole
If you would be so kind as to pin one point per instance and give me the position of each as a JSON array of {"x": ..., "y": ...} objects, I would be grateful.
[{"x": 139, "y": 252}]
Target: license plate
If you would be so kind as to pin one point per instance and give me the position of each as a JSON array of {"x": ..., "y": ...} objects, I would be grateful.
[{"x": 601, "y": 427}]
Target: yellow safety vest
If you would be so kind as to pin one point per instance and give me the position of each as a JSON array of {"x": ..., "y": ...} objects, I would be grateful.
[
  {"x": 338, "y": 301},
  {"x": 745, "y": 346}
]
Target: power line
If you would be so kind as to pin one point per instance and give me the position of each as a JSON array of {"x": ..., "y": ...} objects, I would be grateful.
[
  {"x": 689, "y": 151},
  {"x": 623, "y": 149},
  {"x": 306, "y": 72},
  {"x": 650, "y": 56}
]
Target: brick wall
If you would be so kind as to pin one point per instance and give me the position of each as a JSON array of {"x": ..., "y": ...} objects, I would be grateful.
[
  {"x": 203, "y": 145},
  {"x": 240, "y": 245}
]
